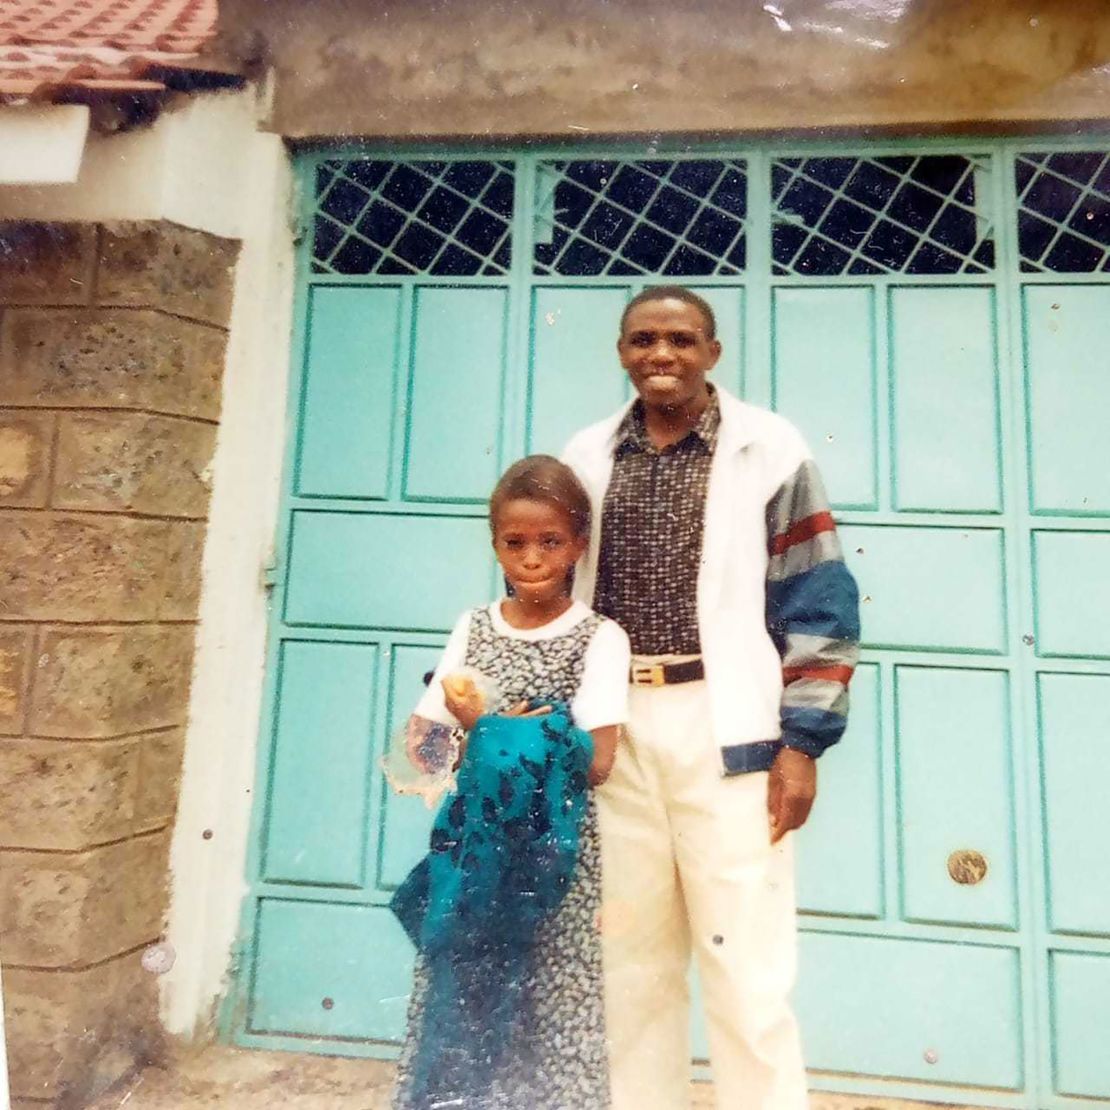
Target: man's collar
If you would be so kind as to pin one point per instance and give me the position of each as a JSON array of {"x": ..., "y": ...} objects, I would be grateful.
[{"x": 631, "y": 433}]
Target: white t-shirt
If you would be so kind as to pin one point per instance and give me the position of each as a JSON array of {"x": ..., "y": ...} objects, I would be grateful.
[{"x": 602, "y": 697}]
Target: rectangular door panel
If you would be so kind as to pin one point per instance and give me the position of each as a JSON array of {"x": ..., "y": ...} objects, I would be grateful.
[
  {"x": 456, "y": 395},
  {"x": 933, "y": 589},
  {"x": 1067, "y": 337},
  {"x": 575, "y": 374},
  {"x": 955, "y": 796},
  {"x": 316, "y": 822},
  {"x": 406, "y": 821},
  {"x": 1075, "y": 727},
  {"x": 904, "y": 1009},
  {"x": 824, "y": 381},
  {"x": 319, "y": 971},
  {"x": 944, "y": 382},
  {"x": 376, "y": 570},
  {"x": 1081, "y": 1023},
  {"x": 349, "y": 392},
  {"x": 840, "y": 847},
  {"x": 1072, "y": 593}
]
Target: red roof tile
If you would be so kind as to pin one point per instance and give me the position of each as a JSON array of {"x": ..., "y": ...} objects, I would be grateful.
[{"x": 47, "y": 46}]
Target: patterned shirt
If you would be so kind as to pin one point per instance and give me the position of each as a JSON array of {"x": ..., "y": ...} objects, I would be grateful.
[{"x": 652, "y": 521}]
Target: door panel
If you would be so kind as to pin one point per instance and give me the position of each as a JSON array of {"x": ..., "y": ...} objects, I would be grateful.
[
  {"x": 911, "y": 1009},
  {"x": 350, "y": 378},
  {"x": 824, "y": 380},
  {"x": 317, "y": 823},
  {"x": 1080, "y": 987},
  {"x": 955, "y": 795},
  {"x": 351, "y": 570},
  {"x": 840, "y": 849},
  {"x": 931, "y": 589},
  {"x": 1075, "y": 725},
  {"x": 455, "y": 415},
  {"x": 944, "y": 369}
]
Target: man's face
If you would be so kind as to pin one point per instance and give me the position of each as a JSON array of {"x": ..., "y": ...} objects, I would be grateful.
[{"x": 667, "y": 353}]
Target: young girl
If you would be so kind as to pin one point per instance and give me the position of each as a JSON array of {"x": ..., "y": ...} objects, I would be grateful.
[{"x": 540, "y": 988}]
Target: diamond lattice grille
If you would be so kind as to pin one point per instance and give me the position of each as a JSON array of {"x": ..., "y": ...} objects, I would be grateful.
[
  {"x": 900, "y": 214},
  {"x": 1064, "y": 211},
  {"x": 680, "y": 218},
  {"x": 381, "y": 217}
]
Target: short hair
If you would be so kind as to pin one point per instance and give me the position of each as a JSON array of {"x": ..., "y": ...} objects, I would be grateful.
[
  {"x": 673, "y": 293},
  {"x": 543, "y": 478}
]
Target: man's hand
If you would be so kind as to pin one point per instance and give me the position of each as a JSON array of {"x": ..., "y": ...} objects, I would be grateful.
[{"x": 791, "y": 788}]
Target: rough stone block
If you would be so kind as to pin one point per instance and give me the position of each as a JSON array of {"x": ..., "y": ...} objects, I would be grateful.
[
  {"x": 72, "y": 909},
  {"x": 70, "y": 1033},
  {"x": 81, "y": 568},
  {"x": 46, "y": 263},
  {"x": 98, "y": 682},
  {"x": 110, "y": 358},
  {"x": 160, "y": 757},
  {"x": 166, "y": 266},
  {"x": 64, "y": 795},
  {"x": 15, "y": 667},
  {"x": 25, "y": 439},
  {"x": 181, "y": 580},
  {"x": 132, "y": 461}
]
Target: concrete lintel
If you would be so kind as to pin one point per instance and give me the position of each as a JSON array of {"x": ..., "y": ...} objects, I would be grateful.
[{"x": 42, "y": 144}]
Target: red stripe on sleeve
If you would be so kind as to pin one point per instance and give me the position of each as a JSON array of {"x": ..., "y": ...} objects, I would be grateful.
[
  {"x": 803, "y": 530},
  {"x": 841, "y": 674}
]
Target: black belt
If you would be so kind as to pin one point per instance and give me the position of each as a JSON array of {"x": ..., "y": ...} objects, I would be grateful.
[{"x": 666, "y": 674}]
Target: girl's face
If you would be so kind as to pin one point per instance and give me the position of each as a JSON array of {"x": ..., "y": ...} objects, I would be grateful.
[{"x": 536, "y": 546}]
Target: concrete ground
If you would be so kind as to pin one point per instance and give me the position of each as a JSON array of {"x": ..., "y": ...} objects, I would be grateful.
[{"x": 242, "y": 1079}]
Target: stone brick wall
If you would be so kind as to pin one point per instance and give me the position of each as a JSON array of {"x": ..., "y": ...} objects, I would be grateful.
[{"x": 112, "y": 342}]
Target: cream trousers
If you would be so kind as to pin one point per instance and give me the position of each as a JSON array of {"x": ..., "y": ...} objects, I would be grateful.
[{"x": 688, "y": 865}]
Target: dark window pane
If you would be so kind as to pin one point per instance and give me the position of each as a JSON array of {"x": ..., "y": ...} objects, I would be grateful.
[
  {"x": 326, "y": 237},
  {"x": 1034, "y": 235},
  {"x": 847, "y": 223},
  {"x": 418, "y": 246},
  {"x": 607, "y": 226},
  {"x": 713, "y": 231},
  {"x": 344, "y": 202},
  {"x": 696, "y": 177},
  {"x": 1073, "y": 256},
  {"x": 381, "y": 224},
  {"x": 480, "y": 232},
  {"x": 686, "y": 262},
  {"x": 368, "y": 174},
  {"x": 786, "y": 241},
  {"x": 469, "y": 177},
  {"x": 672, "y": 210},
  {"x": 582, "y": 259},
  {"x": 890, "y": 246},
  {"x": 914, "y": 207},
  {"x": 406, "y": 188},
  {"x": 648, "y": 248},
  {"x": 355, "y": 257},
  {"x": 822, "y": 259},
  {"x": 455, "y": 262},
  {"x": 443, "y": 209},
  {"x": 871, "y": 185},
  {"x": 1080, "y": 166},
  {"x": 829, "y": 171},
  {"x": 930, "y": 259}
]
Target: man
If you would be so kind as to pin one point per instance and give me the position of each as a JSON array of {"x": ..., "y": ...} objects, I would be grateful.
[{"x": 713, "y": 546}]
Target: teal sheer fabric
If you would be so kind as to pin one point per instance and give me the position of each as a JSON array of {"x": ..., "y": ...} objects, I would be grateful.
[{"x": 503, "y": 854}]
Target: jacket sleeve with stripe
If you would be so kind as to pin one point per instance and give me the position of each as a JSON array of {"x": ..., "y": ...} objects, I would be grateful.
[{"x": 812, "y": 612}]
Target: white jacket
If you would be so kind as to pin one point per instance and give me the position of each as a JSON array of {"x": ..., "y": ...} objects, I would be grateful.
[{"x": 757, "y": 453}]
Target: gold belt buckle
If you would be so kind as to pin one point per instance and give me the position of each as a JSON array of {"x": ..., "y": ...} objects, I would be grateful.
[{"x": 648, "y": 674}]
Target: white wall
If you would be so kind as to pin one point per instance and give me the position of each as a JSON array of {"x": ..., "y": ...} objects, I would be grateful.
[{"x": 205, "y": 165}]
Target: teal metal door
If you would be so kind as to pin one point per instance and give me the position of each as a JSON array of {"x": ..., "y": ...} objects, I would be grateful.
[{"x": 936, "y": 318}]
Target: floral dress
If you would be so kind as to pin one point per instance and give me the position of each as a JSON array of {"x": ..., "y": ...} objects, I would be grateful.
[{"x": 556, "y": 1058}]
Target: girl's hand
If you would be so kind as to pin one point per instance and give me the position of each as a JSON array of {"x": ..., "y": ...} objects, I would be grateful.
[
  {"x": 463, "y": 700},
  {"x": 521, "y": 710}
]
